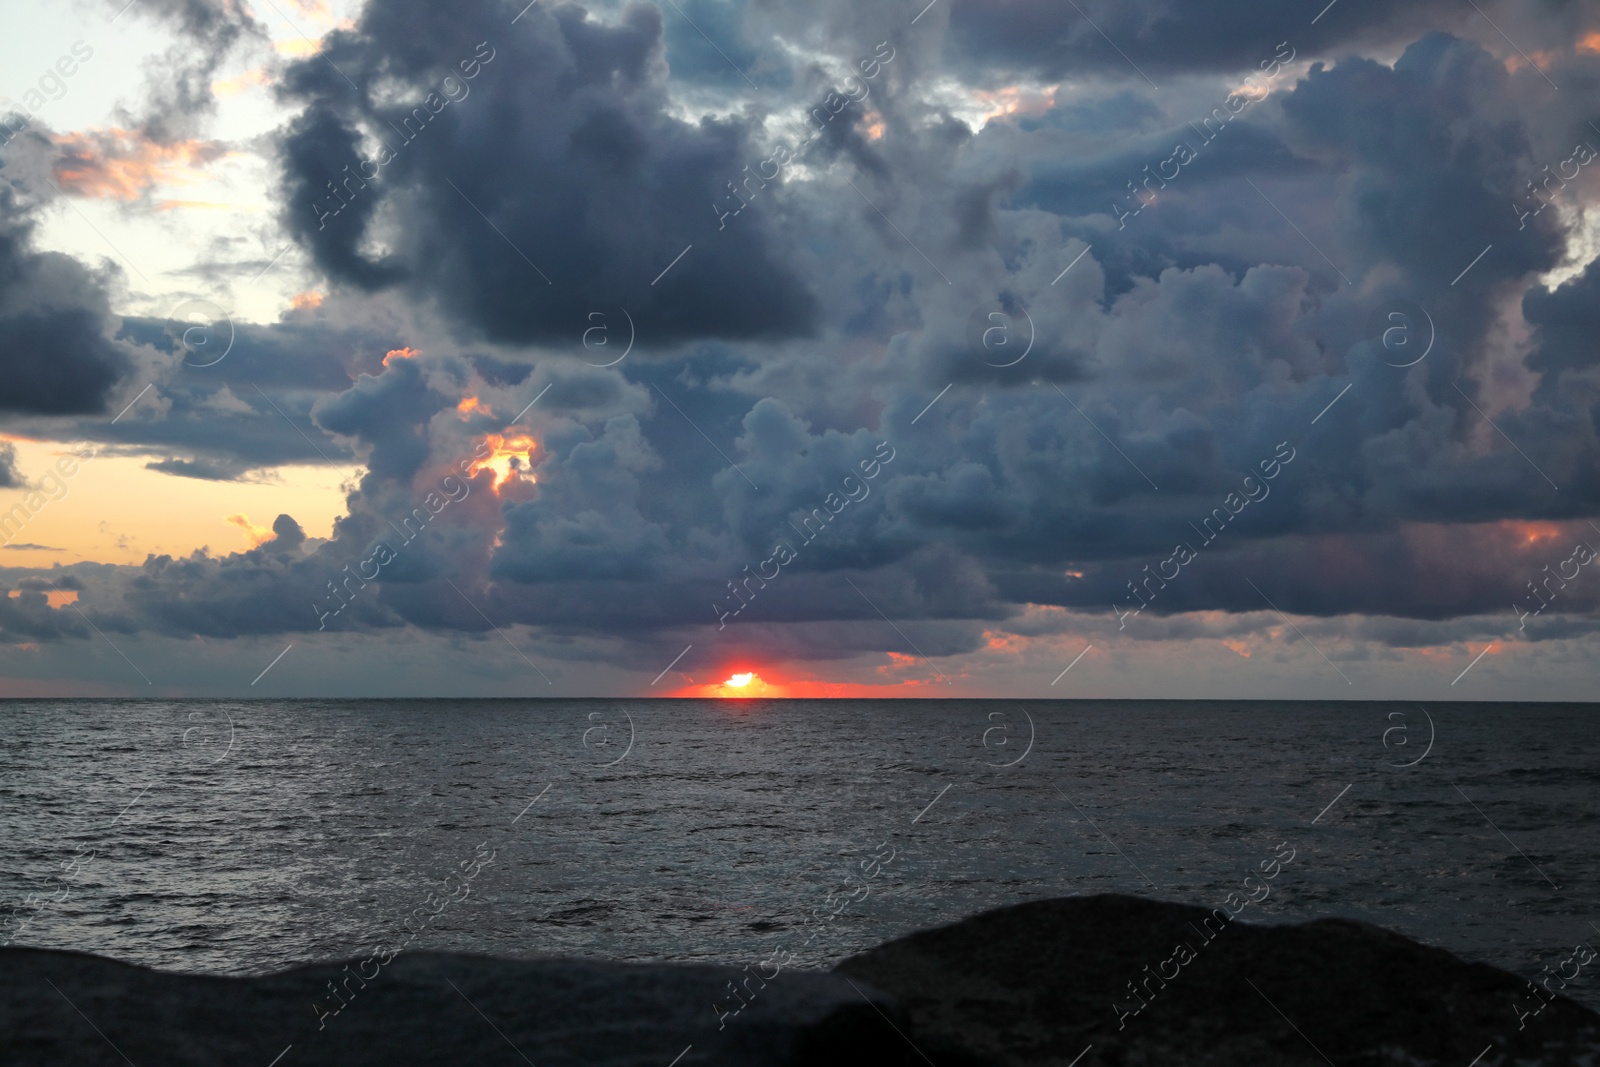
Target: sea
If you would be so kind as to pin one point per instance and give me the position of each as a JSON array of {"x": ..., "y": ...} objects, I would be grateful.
[{"x": 243, "y": 837}]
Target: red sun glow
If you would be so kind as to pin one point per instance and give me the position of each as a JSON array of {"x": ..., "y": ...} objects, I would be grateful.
[
  {"x": 749, "y": 685},
  {"x": 740, "y": 686},
  {"x": 510, "y": 457},
  {"x": 746, "y": 683}
]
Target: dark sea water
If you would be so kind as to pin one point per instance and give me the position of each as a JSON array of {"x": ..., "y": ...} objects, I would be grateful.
[{"x": 243, "y": 837}]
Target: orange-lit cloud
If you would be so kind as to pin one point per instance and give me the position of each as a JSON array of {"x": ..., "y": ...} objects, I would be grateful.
[
  {"x": 1014, "y": 101},
  {"x": 1590, "y": 43},
  {"x": 257, "y": 534},
  {"x": 508, "y": 457},
  {"x": 898, "y": 661},
  {"x": 400, "y": 353},
  {"x": 1010, "y": 644},
  {"x": 1533, "y": 533},
  {"x": 471, "y": 405},
  {"x": 1542, "y": 60},
  {"x": 119, "y": 164},
  {"x": 313, "y": 299}
]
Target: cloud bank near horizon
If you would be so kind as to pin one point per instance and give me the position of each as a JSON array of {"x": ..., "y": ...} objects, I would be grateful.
[{"x": 616, "y": 300}]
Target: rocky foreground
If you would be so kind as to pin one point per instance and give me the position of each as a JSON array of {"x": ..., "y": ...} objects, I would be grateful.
[{"x": 1082, "y": 980}]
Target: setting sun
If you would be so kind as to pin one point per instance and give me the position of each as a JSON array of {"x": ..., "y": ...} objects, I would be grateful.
[
  {"x": 744, "y": 685},
  {"x": 741, "y": 686},
  {"x": 750, "y": 685}
]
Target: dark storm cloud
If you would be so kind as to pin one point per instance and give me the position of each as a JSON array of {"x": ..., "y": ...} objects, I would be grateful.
[
  {"x": 1413, "y": 166},
  {"x": 1195, "y": 372},
  {"x": 1237, "y": 363},
  {"x": 825, "y": 642},
  {"x": 200, "y": 469},
  {"x": 267, "y": 589},
  {"x": 1336, "y": 531},
  {"x": 56, "y": 357},
  {"x": 1160, "y": 37},
  {"x": 316, "y": 148},
  {"x": 1106, "y": 183},
  {"x": 549, "y": 184},
  {"x": 292, "y": 354},
  {"x": 402, "y": 424},
  {"x": 251, "y": 408},
  {"x": 28, "y": 616},
  {"x": 1125, "y": 111},
  {"x": 226, "y": 434},
  {"x": 1183, "y": 350},
  {"x": 390, "y": 413},
  {"x": 586, "y": 525},
  {"x": 39, "y": 584},
  {"x": 1431, "y": 573},
  {"x": 499, "y": 372},
  {"x": 1437, "y": 149},
  {"x": 798, "y": 472},
  {"x": 60, "y": 360},
  {"x": 1568, "y": 320}
]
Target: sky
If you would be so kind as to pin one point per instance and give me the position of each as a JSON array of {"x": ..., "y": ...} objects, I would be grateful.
[{"x": 973, "y": 348}]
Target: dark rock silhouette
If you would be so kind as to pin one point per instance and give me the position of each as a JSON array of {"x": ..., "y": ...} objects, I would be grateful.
[
  {"x": 427, "y": 1009},
  {"x": 1039, "y": 983}
]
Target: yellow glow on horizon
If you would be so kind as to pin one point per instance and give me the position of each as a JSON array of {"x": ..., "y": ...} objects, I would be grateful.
[
  {"x": 739, "y": 681},
  {"x": 114, "y": 509}
]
